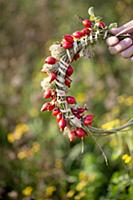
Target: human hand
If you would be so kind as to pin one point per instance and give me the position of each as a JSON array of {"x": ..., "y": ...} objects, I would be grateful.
[{"x": 125, "y": 46}]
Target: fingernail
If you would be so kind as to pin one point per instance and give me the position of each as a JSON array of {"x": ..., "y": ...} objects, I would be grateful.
[
  {"x": 112, "y": 40},
  {"x": 114, "y": 30},
  {"x": 127, "y": 41}
]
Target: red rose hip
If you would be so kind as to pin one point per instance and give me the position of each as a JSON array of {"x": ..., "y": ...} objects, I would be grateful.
[
  {"x": 50, "y": 60},
  {"x": 47, "y": 106},
  {"x": 52, "y": 76},
  {"x": 55, "y": 112},
  {"x": 47, "y": 94},
  {"x": 62, "y": 123},
  {"x": 69, "y": 71},
  {"x": 44, "y": 107},
  {"x": 70, "y": 100},
  {"x": 67, "y": 82},
  {"x": 101, "y": 24},
  {"x": 76, "y": 56},
  {"x": 86, "y": 31},
  {"x": 58, "y": 117},
  {"x": 71, "y": 135},
  {"x": 77, "y": 34},
  {"x": 68, "y": 38},
  {"x": 67, "y": 45},
  {"x": 88, "y": 120},
  {"x": 81, "y": 110},
  {"x": 51, "y": 107},
  {"x": 80, "y": 132},
  {"x": 87, "y": 23}
]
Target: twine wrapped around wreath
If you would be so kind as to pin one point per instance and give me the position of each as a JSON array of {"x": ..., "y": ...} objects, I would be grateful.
[{"x": 70, "y": 116}]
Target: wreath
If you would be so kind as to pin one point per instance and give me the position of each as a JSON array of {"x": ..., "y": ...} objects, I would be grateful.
[{"x": 71, "y": 117}]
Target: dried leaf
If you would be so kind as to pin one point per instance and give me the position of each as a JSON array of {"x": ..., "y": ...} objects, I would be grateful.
[{"x": 91, "y": 11}]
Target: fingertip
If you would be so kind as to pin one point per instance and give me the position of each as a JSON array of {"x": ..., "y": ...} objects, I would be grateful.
[
  {"x": 127, "y": 53},
  {"x": 111, "y": 41},
  {"x": 114, "y": 31},
  {"x": 128, "y": 41},
  {"x": 112, "y": 50}
]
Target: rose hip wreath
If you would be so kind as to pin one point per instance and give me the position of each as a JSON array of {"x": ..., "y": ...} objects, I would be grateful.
[{"x": 71, "y": 117}]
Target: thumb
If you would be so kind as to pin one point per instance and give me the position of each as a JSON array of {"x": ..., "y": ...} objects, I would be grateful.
[
  {"x": 128, "y": 27},
  {"x": 115, "y": 31}
]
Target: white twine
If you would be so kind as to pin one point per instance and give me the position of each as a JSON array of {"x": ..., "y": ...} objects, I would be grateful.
[
  {"x": 86, "y": 41},
  {"x": 77, "y": 122},
  {"x": 65, "y": 64},
  {"x": 62, "y": 72},
  {"x": 105, "y": 34},
  {"x": 59, "y": 84},
  {"x": 91, "y": 38},
  {"x": 65, "y": 110},
  {"x": 60, "y": 92},
  {"x": 61, "y": 101},
  {"x": 62, "y": 66},
  {"x": 60, "y": 79},
  {"x": 75, "y": 47},
  {"x": 69, "y": 55}
]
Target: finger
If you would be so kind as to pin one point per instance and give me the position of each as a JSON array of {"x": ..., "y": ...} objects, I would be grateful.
[
  {"x": 111, "y": 41},
  {"x": 132, "y": 58},
  {"x": 128, "y": 52},
  {"x": 115, "y": 31},
  {"x": 122, "y": 45}
]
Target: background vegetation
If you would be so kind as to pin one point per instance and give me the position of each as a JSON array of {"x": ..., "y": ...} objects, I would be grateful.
[{"x": 36, "y": 160}]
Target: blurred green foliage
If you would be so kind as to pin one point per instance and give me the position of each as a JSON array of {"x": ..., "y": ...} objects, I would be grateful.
[{"x": 36, "y": 160}]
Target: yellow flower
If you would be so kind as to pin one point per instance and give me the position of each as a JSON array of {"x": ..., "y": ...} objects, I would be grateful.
[
  {"x": 22, "y": 128},
  {"x": 34, "y": 112},
  {"x": 26, "y": 153},
  {"x": 70, "y": 193},
  {"x": 115, "y": 111},
  {"x": 121, "y": 99},
  {"x": 22, "y": 154},
  {"x": 58, "y": 164},
  {"x": 129, "y": 101},
  {"x": 82, "y": 194},
  {"x": 18, "y": 132},
  {"x": 81, "y": 97},
  {"x": 17, "y": 135},
  {"x": 29, "y": 153},
  {"x": 35, "y": 147},
  {"x": 81, "y": 185},
  {"x": 126, "y": 158},
  {"x": 126, "y": 100},
  {"x": 77, "y": 197},
  {"x": 10, "y": 137},
  {"x": 27, "y": 191},
  {"x": 111, "y": 124},
  {"x": 50, "y": 190},
  {"x": 83, "y": 176}
]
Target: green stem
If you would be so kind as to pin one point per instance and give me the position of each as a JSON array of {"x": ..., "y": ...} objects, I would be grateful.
[{"x": 99, "y": 131}]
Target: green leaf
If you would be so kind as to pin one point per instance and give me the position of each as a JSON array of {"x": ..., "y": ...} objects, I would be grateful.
[
  {"x": 97, "y": 19},
  {"x": 92, "y": 18},
  {"x": 112, "y": 25}
]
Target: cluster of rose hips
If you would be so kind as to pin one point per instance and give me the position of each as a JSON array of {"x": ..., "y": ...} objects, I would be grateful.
[
  {"x": 67, "y": 43},
  {"x": 68, "y": 40}
]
